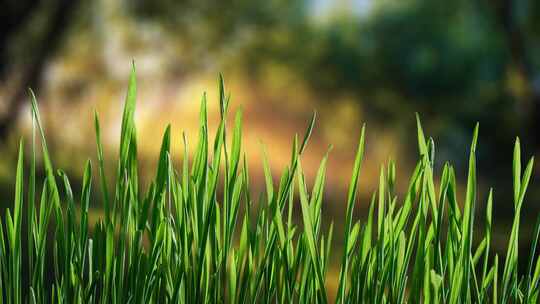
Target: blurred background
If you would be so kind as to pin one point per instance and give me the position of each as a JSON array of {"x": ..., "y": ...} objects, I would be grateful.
[{"x": 354, "y": 61}]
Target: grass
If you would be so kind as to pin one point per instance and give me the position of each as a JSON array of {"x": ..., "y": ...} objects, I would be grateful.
[{"x": 197, "y": 236}]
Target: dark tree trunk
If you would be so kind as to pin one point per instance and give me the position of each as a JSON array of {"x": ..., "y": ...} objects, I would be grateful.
[
  {"x": 517, "y": 46},
  {"x": 31, "y": 73}
]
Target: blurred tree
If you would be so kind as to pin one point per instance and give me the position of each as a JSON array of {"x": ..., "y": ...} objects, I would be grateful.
[
  {"x": 456, "y": 64},
  {"x": 31, "y": 31},
  {"x": 519, "y": 22}
]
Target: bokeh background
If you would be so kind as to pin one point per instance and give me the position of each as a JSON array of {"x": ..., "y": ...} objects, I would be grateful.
[{"x": 354, "y": 61}]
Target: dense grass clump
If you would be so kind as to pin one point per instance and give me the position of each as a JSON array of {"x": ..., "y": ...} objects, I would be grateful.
[{"x": 183, "y": 241}]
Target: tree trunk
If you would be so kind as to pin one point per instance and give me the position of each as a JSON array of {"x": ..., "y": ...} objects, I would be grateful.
[
  {"x": 517, "y": 46},
  {"x": 31, "y": 73}
]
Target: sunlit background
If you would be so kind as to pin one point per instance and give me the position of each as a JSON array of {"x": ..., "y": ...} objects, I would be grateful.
[{"x": 353, "y": 61}]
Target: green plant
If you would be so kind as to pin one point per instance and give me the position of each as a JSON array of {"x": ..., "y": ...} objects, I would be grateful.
[{"x": 183, "y": 241}]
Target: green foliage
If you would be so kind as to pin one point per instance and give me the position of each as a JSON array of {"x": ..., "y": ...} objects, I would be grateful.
[{"x": 196, "y": 235}]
